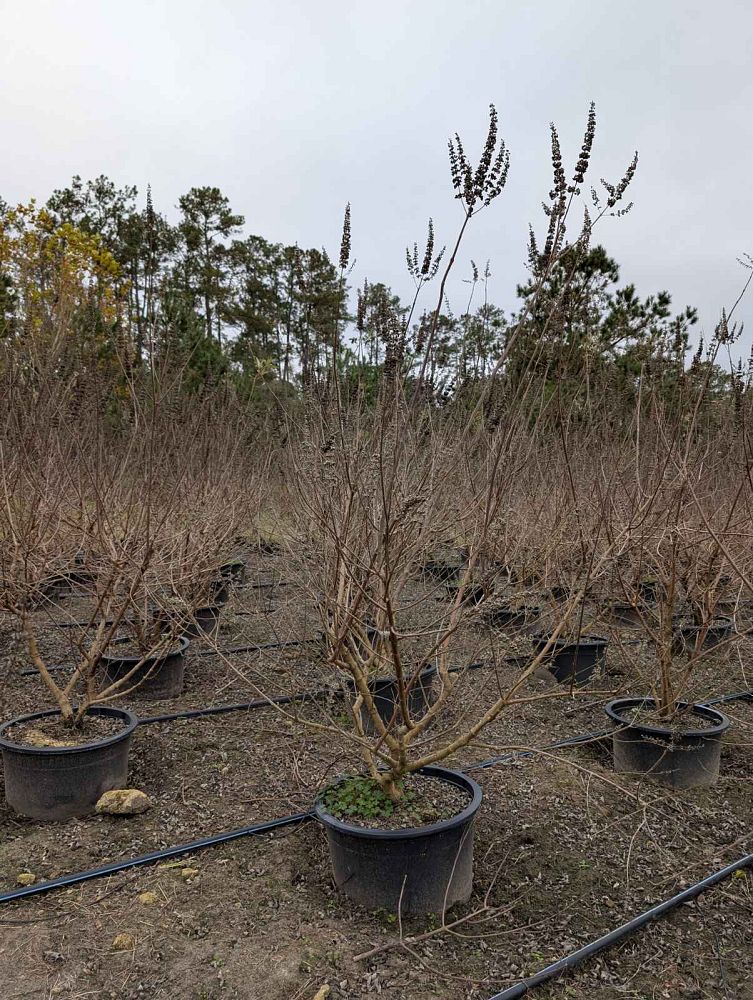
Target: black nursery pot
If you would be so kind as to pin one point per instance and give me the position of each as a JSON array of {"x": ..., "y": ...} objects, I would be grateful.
[
  {"x": 54, "y": 783},
  {"x": 473, "y": 593},
  {"x": 685, "y": 636},
  {"x": 507, "y": 617},
  {"x": 430, "y": 867},
  {"x": 385, "y": 693},
  {"x": 648, "y": 590},
  {"x": 626, "y": 615},
  {"x": 573, "y": 662},
  {"x": 220, "y": 591},
  {"x": 234, "y": 571},
  {"x": 205, "y": 621},
  {"x": 676, "y": 759},
  {"x": 443, "y": 571},
  {"x": 63, "y": 584},
  {"x": 158, "y": 677}
]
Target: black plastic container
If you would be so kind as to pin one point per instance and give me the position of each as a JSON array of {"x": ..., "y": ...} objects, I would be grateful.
[
  {"x": 443, "y": 571},
  {"x": 219, "y": 591},
  {"x": 201, "y": 622},
  {"x": 686, "y": 635},
  {"x": 385, "y": 693},
  {"x": 648, "y": 590},
  {"x": 55, "y": 783},
  {"x": 158, "y": 677},
  {"x": 686, "y": 758},
  {"x": 504, "y": 616},
  {"x": 63, "y": 584},
  {"x": 204, "y": 622},
  {"x": 473, "y": 593},
  {"x": 573, "y": 662},
  {"x": 51, "y": 589},
  {"x": 234, "y": 571},
  {"x": 430, "y": 867},
  {"x": 625, "y": 615}
]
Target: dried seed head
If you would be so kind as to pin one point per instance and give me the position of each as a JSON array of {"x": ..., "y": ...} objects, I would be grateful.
[
  {"x": 345, "y": 241},
  {"x": 427, "y": 268},
  {"x": 477, "y": 188}
]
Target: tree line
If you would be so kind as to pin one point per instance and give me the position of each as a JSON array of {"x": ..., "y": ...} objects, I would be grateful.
[{"x": 92, "y": 282}]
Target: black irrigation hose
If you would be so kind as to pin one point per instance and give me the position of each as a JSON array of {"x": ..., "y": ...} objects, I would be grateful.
[
  {"x": 570, "y": 741},
  {"x": 253, "y": 647},
  {"x": 613, "y": 937},
  {"x": 735, "y": 696},
  {"x": 147, "y": 859},
  {"x": 282, "y": 699}
]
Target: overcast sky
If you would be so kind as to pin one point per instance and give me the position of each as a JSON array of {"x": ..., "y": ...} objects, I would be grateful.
[{"x": 294, "y": 107}]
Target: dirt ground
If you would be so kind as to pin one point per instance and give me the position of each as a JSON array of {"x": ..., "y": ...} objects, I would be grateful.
[{"x": 565, "y": 849}]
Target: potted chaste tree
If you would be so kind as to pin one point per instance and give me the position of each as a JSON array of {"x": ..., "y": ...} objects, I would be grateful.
[
  {"x": 371, "y": 506},
  {"x": 378, "y": 487},
  {"x": 57, "y": 762},
  {"x": 138, "y": 538},
  {"x": 687, "y": 541}
]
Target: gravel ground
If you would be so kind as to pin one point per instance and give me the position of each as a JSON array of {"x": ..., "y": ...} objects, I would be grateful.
[{"x": 565, "y": 849}]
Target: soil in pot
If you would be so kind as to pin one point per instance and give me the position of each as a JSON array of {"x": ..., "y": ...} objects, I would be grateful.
[
  {"x": 55, "y": 782},
  {"x": 683, "y": 753},
  {"x": 380, "y": 862},
  {"x": 571, "y": 661},
  {"x": 159, "y": 676},
  {"x": 424, "y": 800},
  {"x": 51, "y": 731}
]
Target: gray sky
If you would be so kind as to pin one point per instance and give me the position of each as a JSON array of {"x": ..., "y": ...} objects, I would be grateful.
[{"x": 294, "y": 107}]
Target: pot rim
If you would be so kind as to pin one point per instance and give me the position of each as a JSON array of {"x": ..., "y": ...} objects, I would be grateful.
[
  {"x": 718, "y": 621},
  {"x": 723, "y": 722},
  {"x": 182, "y": 641},
  {"x": 131, "y": 722},
  {"x": 562, "y": 644},
  {"x": 231, "y": 564},
  {"x": 429, "y": 671},
  {"x": 521, "y": 609},
  {"x": 369, "y": 833}
]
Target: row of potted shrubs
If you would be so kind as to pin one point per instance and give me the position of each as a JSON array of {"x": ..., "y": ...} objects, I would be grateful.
[{"x": 420, "y": 869}]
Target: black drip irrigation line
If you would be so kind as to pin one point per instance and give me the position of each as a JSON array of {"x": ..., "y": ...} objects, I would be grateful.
[
  {"x": 147, "y": 859},
  {"x": 575, "y": 958},
  {"x": 254, "y": 647},
  {"x": 283, "y": 699}
]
